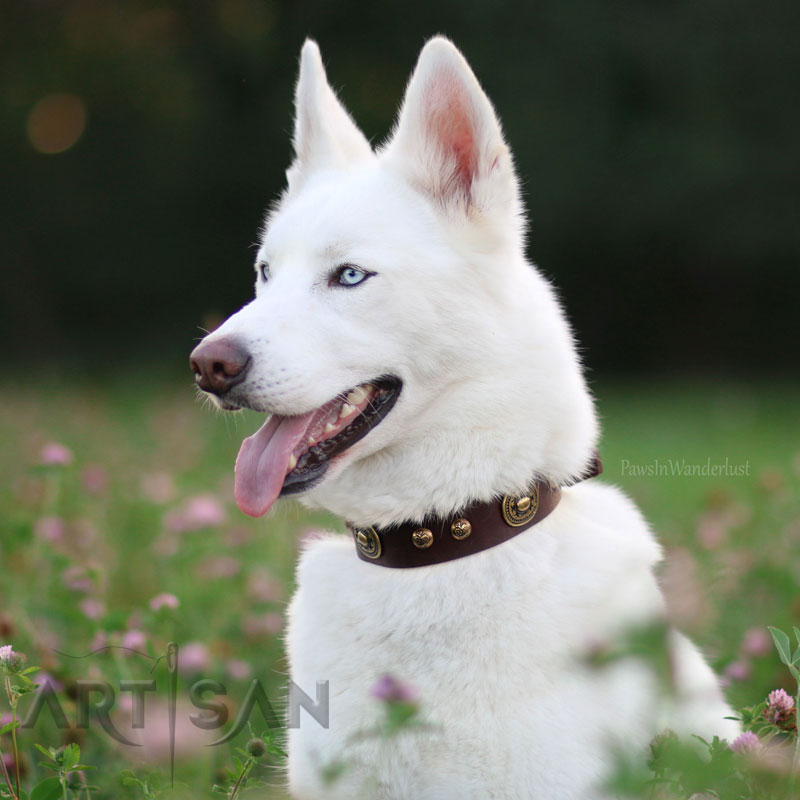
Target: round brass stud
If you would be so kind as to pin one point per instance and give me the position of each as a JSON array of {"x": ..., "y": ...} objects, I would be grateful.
[
  {"x": 422, "y": 538},
  {"x": 460, "y": 529},
  {"x": 368, "y": 542},
  {"x": 518, "y": 511}
]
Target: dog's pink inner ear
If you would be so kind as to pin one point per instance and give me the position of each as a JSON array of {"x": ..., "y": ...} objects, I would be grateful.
[{"x": 450, "y": 122}]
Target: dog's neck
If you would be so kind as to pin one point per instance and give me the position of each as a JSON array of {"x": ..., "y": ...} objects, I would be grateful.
[
  {"x": 436, "y": 539},
  {"x": 437, "y": 477}
]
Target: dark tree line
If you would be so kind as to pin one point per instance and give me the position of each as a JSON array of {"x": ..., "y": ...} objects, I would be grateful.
[{"x": 659, "y": 144}]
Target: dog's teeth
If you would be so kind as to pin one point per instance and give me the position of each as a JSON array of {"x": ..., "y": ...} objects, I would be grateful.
[
  {"x": 347, "y": 410},
  {"x": 311, "y": 440},
  {"x": 292, "y": 462},
  {"x": 357, "y": 395},
  {"x": 329, "y": 427}
]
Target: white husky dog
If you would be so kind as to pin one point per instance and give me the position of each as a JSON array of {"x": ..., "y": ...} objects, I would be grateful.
[{"x": 414, "y": 364}]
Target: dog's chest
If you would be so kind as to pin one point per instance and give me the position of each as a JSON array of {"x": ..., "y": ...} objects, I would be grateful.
[{"x": 488, "y": 644}]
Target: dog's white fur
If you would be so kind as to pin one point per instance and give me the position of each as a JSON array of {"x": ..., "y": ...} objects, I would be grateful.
[{"x": 493, "y": 396}]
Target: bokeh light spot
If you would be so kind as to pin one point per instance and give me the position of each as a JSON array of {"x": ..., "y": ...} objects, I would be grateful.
[{"x": 56, "y": 122}]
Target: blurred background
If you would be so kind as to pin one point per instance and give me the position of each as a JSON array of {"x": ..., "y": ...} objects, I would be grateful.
[
  {"x": 657, "y": 142},
  {"x": 659, "y": 147}
]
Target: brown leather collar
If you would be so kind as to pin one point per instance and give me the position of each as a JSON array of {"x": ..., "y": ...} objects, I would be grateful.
[{"x": 475, "y": 528}]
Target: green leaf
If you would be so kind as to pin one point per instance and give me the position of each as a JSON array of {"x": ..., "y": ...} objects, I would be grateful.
[
  {"x": 71, "y": 756},
  {"x": 399, "y": 715},
  {"x": 29, "y": 670},
  {"x": 49, "y": 752},
  {"x": 331, "y": 773},
  {"x": 48, "y": 789},
  {"x": 796, "y": 656},
  {"x": 783, "y": 645},
  {"x": 8, "y": 726}
]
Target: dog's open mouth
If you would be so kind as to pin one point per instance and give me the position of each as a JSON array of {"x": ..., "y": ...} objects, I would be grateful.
[{"x": 287, "y": 455}]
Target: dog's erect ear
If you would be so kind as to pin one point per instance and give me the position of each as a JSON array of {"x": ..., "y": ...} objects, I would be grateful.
[
  {"x": 448, "y": 140},
  {"x": 324, "y": 134}
]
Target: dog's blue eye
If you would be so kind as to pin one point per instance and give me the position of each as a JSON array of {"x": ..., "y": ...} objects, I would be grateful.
[
  {"x": 263, "y": 271},
  {"x": 351, "y": 276}
]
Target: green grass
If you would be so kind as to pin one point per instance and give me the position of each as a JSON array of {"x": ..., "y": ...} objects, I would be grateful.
[
  {"x": 737, "y": 537},
  {"x": 732, "y": 540}
]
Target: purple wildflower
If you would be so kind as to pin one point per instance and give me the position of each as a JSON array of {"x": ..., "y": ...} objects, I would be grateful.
[
  {"x": 95, "y": 479},
  {"x": 50, "y": 529},
  {"x": 193, "y": 658},
  {"x": 738, "y": 671},
  {"x": 164, "y": 600},
  {"x": 779, "y": 704},
  {"x": 263, "y": 587},
  {"x": 77, "y": 578},
  {"x": 219, "y": 567},
  {"x": 8, "y": 762},
  {"x": 134, "y": 640},
  {"x": 10, "y": 659},
  {"x": 756, "y": 642},
  {"x": 238, "y": 670},
  {"x": 55, "y": 454},
  {"x": 158, "y": 487},
  {"x": 200, "y": 511},
  {"x": 779, "y": 700},
  {"x": 745, "y": 743},
  {"x": 391, "y": 690},
  {"x": 92, "y": 608},
  {"x": 41, "y": 678},
  {"x": 238, "y": 536},
  {"x": 263, "y": 625}
]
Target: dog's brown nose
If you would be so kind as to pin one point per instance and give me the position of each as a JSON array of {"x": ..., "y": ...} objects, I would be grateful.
[{"x": 219, "y": 364}]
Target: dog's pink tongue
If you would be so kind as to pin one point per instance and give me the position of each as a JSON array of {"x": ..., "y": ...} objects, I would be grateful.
[{"x": 263, "y": 462}]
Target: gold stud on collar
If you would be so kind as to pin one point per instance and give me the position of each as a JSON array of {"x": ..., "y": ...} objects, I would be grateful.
[
  {"x": 460, "y": 529},
  {"x": 422, "y": 538},
  {"x": 367, "y": 541},
  {"x": 517, "y": 510}
]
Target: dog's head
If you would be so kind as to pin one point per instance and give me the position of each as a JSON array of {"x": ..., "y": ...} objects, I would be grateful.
[{"x": 409, "y": 357}]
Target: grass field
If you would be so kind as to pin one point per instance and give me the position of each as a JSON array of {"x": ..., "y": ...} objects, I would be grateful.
[{"x": 145, "y": 508}]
